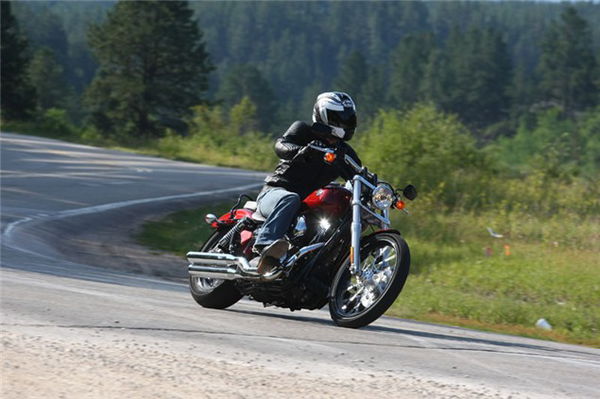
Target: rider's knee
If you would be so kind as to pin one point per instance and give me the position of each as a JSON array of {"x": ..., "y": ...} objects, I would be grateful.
[{"x": 293, "y": 200}]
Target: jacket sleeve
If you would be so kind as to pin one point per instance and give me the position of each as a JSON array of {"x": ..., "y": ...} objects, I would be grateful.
[
  {"x": 286, "y": 149},
  {"x": 297, "y": 136}
]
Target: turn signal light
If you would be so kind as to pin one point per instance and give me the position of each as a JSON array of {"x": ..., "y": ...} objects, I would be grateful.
[
  {"x": 329, "y": 157},
  {"x": 399, "y": 205}
]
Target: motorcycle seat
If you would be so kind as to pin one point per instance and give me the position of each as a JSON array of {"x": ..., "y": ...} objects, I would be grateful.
[
  {"x": 258, "y": 217},
  {"x": 251, "y": 205}
]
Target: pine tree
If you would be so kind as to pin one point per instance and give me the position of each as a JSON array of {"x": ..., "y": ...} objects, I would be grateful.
[
  {"x": 247, "y": 81},
  {"x": 352, "y": 75},
  {"x": 568, "y": 69},
  {"x": 46, "y": 76},
  {"x": 409, "y": 63},
  {"x": 436, "y": 78},
  {"x": 18, "y": 97},
  {"x": 372, "y": 96},
  {"x": 153, "y": 67},
  {"x": 477, "y": 77}
]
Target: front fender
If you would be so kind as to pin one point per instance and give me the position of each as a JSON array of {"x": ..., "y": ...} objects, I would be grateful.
[{"x": 394, "y": 231}]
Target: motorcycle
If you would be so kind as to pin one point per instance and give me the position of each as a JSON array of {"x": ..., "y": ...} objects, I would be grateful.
[{"x": 330, "y": 261}]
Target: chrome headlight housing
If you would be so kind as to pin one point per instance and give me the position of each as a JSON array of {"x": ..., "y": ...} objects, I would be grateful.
[{"x": 382, "y": 196}]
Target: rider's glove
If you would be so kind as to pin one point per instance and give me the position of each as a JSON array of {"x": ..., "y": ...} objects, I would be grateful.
[
  {"x": 306, "y": 153},
  {"x": 371, "y": 177}
]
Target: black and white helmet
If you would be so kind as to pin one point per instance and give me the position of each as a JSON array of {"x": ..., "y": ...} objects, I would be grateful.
[{"x": 338, "y": 111}]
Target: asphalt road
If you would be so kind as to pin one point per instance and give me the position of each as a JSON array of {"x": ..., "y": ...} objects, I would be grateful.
[{"x": 86, "y": 312}]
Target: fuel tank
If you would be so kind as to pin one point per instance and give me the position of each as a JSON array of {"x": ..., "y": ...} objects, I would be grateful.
[{"x": 332, "y": 199}]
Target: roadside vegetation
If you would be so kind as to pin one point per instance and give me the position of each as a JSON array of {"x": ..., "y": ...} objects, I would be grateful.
[{"x": 497, "y": 124}]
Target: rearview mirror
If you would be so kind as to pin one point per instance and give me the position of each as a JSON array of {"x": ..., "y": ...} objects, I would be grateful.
[{"x": 410, "y": 192}]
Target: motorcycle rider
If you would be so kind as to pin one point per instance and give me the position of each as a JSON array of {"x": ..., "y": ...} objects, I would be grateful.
[{"x": 301, "y": 170}]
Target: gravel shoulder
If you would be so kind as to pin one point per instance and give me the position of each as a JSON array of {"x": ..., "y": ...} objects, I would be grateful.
[{"x": 52, "y": 362}]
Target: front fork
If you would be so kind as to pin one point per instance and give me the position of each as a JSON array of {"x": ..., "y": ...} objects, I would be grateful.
[{"x": 356, "y": 226}]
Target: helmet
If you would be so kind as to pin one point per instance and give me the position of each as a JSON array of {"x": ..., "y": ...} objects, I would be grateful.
[{"x": 337, "y": 110}]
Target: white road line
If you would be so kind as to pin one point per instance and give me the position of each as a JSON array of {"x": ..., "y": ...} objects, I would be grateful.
[
  {"x": 6, "y": 234},
  {"x": 122, "y": 204},
  {"x": 112, "y": 173}
]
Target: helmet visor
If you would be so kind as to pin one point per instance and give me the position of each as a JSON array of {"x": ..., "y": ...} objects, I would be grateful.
[{"x": 345, "y": 119}]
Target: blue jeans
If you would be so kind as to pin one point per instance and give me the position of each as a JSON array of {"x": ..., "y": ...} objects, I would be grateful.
[{"x": 280, "y": 207}]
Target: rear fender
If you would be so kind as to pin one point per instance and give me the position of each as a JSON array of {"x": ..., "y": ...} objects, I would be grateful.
[{"x": 227, "y": 220}]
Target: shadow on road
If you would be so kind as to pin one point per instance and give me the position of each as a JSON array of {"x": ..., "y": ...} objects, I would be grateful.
[{"x": 421, "y": 334}]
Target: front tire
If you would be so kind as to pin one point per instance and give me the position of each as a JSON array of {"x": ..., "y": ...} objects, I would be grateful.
[
  {"x": 354, "y": 301},
  {"x": 213, "y": 293}
]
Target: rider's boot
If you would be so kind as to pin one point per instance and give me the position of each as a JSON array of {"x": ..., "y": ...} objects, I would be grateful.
[{"x": 270, "y": 256}]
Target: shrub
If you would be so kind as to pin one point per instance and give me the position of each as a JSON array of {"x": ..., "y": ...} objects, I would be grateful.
[
  {"x": 222, "y": 138},
  {"x": 55, "y": 122},
  {"x": 428, "y": 148}
]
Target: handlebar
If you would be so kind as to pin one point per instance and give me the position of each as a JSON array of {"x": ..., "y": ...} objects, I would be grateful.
[
  {"x": 348, "y": 159},
  {"x": 409, "y": 191}
]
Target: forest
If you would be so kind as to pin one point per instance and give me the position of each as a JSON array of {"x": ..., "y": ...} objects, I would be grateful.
[
  {"x": 491, "y": 108},
  {"x": 521, "y": 77}
]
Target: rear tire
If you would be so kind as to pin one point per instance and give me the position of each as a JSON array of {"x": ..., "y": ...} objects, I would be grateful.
[
  {"x": 214, "y": 293},
  {"x": 356, "y": 302}
]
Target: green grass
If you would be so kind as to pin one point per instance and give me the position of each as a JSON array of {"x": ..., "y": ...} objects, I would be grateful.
[
  {"x": 181, "y": 231},
  {"x": 455, "y": 279},
  {"x": 462, "y": 275},
  {"x": 533, "y": 282}
]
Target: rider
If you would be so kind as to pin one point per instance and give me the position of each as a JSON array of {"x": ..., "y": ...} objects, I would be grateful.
[{"x": 301, "y": 170}]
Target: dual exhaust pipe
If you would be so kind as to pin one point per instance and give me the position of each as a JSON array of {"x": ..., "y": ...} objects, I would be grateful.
[{"x": 230, "y": 267}]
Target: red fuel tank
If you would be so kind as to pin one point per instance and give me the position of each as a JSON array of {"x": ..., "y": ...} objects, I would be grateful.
[{"x": 332, "y": 199}]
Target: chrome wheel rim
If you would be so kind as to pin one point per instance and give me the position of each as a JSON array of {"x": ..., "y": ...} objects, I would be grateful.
[
  {"x": 205, "y": 284},
  {"x": 360, "y": 293}
]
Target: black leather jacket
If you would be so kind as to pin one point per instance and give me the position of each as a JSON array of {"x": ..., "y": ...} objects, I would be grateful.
[{"x": 305, "y": 172}]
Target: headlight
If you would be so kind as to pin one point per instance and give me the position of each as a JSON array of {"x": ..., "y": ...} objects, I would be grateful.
[{"x": 383, "y": 196}]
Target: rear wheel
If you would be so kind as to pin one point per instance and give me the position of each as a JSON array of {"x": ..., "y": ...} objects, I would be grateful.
[
  {"x": 356, "y": 301},
  {"x": 213, "y": 293}
]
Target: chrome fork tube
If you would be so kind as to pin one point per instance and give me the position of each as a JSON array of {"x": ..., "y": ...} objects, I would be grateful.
[
  {"x": 386, "y": 215},
  {"x": 356, "y": 228}
]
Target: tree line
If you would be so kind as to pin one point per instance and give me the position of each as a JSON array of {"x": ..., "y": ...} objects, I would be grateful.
[{"x": 135, "y": 69}]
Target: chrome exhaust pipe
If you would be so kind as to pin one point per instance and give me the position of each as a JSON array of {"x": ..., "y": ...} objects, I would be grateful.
[
  {"x": 220, "y": 266},
  {"x": 230, "y": 267}
]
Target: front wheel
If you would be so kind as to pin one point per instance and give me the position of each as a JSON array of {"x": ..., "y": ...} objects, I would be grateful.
[
  {"x": 214, "y": 293},
  {"x": 356, "y": 301}
]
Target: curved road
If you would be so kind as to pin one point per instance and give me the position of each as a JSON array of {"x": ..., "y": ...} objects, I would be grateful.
[{"x": 85, "y": 312}]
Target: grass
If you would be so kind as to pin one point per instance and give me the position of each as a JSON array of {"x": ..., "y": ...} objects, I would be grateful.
[
  {"x": 181, "y": 231},
  {"x": 510, "y": 291},
  {"x": 462, "y": 276}
]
